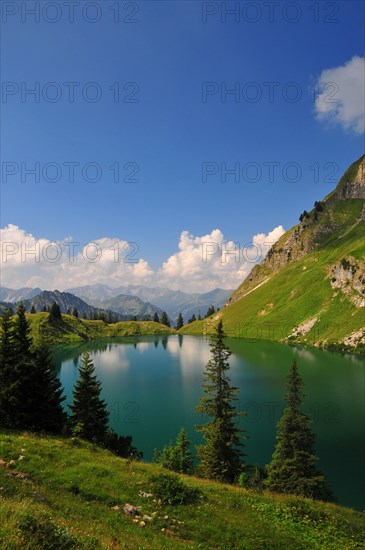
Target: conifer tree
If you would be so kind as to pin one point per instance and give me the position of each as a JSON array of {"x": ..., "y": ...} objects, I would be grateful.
[
  {"x": 221, "y": 458},
  {"x": 47, "y": 413},
  {"x": 7, "y": 365},
  {"x": 209, "y": 312},
  {"x": 30, "y": 394},
  {"x": 293, "y": 466},
  {"x": 22, "y": 339},
  {"x": 75, "y": 313},
  {"x": 33, "y": 309},
  {"x": 176, "y": 457},
  {"x": 20, "y": 399},
  {"x": 89, "y": 417},
  {"x": 192, "y": 319},
  {"x": 55, "y": 312},
  {"x": 165, "y": 319},
  {"x": 156, "y": 318},
  {"x": 179, "y": 322}
]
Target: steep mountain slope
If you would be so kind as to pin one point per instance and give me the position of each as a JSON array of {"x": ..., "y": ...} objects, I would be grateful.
[
  {"x": 65, "y": 300},
  {"x": 310, "y": 288},
  {"x": 126, "y": 304}
]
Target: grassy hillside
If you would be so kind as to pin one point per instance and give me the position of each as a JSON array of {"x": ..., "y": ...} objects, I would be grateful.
[
  {"x": 311, "y": 286},
  {"x": 65, "y": 493},
  {"x": 70, "y": 329}
]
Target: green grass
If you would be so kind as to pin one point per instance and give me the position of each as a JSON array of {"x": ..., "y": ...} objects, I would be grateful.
[
  {"x": 69, "y": 487},
  {"x": 70, "y": 329},
  {"x": 301, "y": 289}
]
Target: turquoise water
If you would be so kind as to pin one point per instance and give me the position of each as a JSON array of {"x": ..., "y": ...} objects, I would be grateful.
[{"x": 152, "y": 385}]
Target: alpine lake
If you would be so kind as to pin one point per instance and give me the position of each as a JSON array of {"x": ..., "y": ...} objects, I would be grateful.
[{"x": 152, "y": 385}]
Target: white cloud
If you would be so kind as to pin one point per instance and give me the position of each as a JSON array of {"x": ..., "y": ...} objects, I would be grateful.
[
  {"x": 30, "y": 261},
  {"x": 341, "y": 95},
  {"x": 210, "y": 261},
  {"x": 200, "y": 264}
]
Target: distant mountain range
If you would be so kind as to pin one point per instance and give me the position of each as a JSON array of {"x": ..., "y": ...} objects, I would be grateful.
[
  {"x": 11, "y": 295},
  {"x": 126, "y": 304},
  {"x": 126, "y": 307},
  {"x": 127, "y": 300},
  {"x": 171, "y": 301}
]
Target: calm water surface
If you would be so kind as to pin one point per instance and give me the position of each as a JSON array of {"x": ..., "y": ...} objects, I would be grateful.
[{"x": 152, "y": 385}]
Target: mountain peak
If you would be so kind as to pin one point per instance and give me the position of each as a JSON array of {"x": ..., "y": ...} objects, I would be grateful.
[{"x": 352, "y": 183}]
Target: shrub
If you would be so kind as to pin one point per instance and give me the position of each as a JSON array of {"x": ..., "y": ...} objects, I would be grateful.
[
  {"x": 45, "y": 534},
  {"x": 171, "y": 490},
  {"x": 253, "y": 477}
]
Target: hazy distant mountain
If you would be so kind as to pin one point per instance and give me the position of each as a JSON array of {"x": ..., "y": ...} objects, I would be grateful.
[
  {"x": 6, "y": 305},
  {"x": 121, "y": 308},
  {"x": 11, "y": 295},
  {"x": 171, "y": 301},
  {"x": 128, "y": 305}
]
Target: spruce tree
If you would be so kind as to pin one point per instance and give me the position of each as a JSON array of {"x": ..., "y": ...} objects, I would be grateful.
[
  {"x": 165, "y": 319},
  {"x": 20, "y": 398},
  {"x": 89, "y": 417},
  {"x": 33, "y": 309},
  {"x": 176, "y": 457},
  {"x": 179, "y": 322},
  {"x": 47, "y": 413},
  {"x": 221, "y": 458},
  {"x": 293, "y": 466},
  {"x": 55, "y": 312},
  {"x": 22, "y": 339},
  {"x": 156, "y": 318},
  {"x": 192, "y": 319},
  {"x": 75, "y": 313},
  {"x": 7, "y": 368}
]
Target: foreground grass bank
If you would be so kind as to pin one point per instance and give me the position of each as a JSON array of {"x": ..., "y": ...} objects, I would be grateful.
[{"x": 65, "y": 493}]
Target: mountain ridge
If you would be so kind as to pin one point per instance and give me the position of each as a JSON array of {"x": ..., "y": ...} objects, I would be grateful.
[{"x": 310, "y": 288}]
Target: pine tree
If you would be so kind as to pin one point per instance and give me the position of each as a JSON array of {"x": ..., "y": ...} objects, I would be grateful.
[
  {"x": 293, "y": 466},
  {"x": 47, "y": 413},
  {"x": 179, "y": 322},
  {"x": 33, "y": 309},
  {"x": 75, "y": 313},
  {"x": 165, "y": 319},
  {"x": 22, "y": 339},
  {"x": 55, "y": 312},
  {"x": 89, "y": 417},
  {"x": 156, "y": 318},
  {"x": 209, "y": 312},
  {"x": 192, "y": 319},
  {"x": 20, "y": 398},
  {"x": 7, "y": 367},
  {"x": 182, "y": 452},
  {"x": 221, "y": 457},
  {"x": 176, "y": 457}
]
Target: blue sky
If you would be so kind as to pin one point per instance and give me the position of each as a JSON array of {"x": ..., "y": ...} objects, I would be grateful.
[{"x": 164, "y": 58}]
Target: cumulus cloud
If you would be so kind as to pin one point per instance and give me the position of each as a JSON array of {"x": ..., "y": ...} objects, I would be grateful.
[
  {"x": 341, "y": 95},
  {"x": 30, "y": 261},
  {"x": 210, "y": 261},
  {"x": 201, "y": 263}
]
